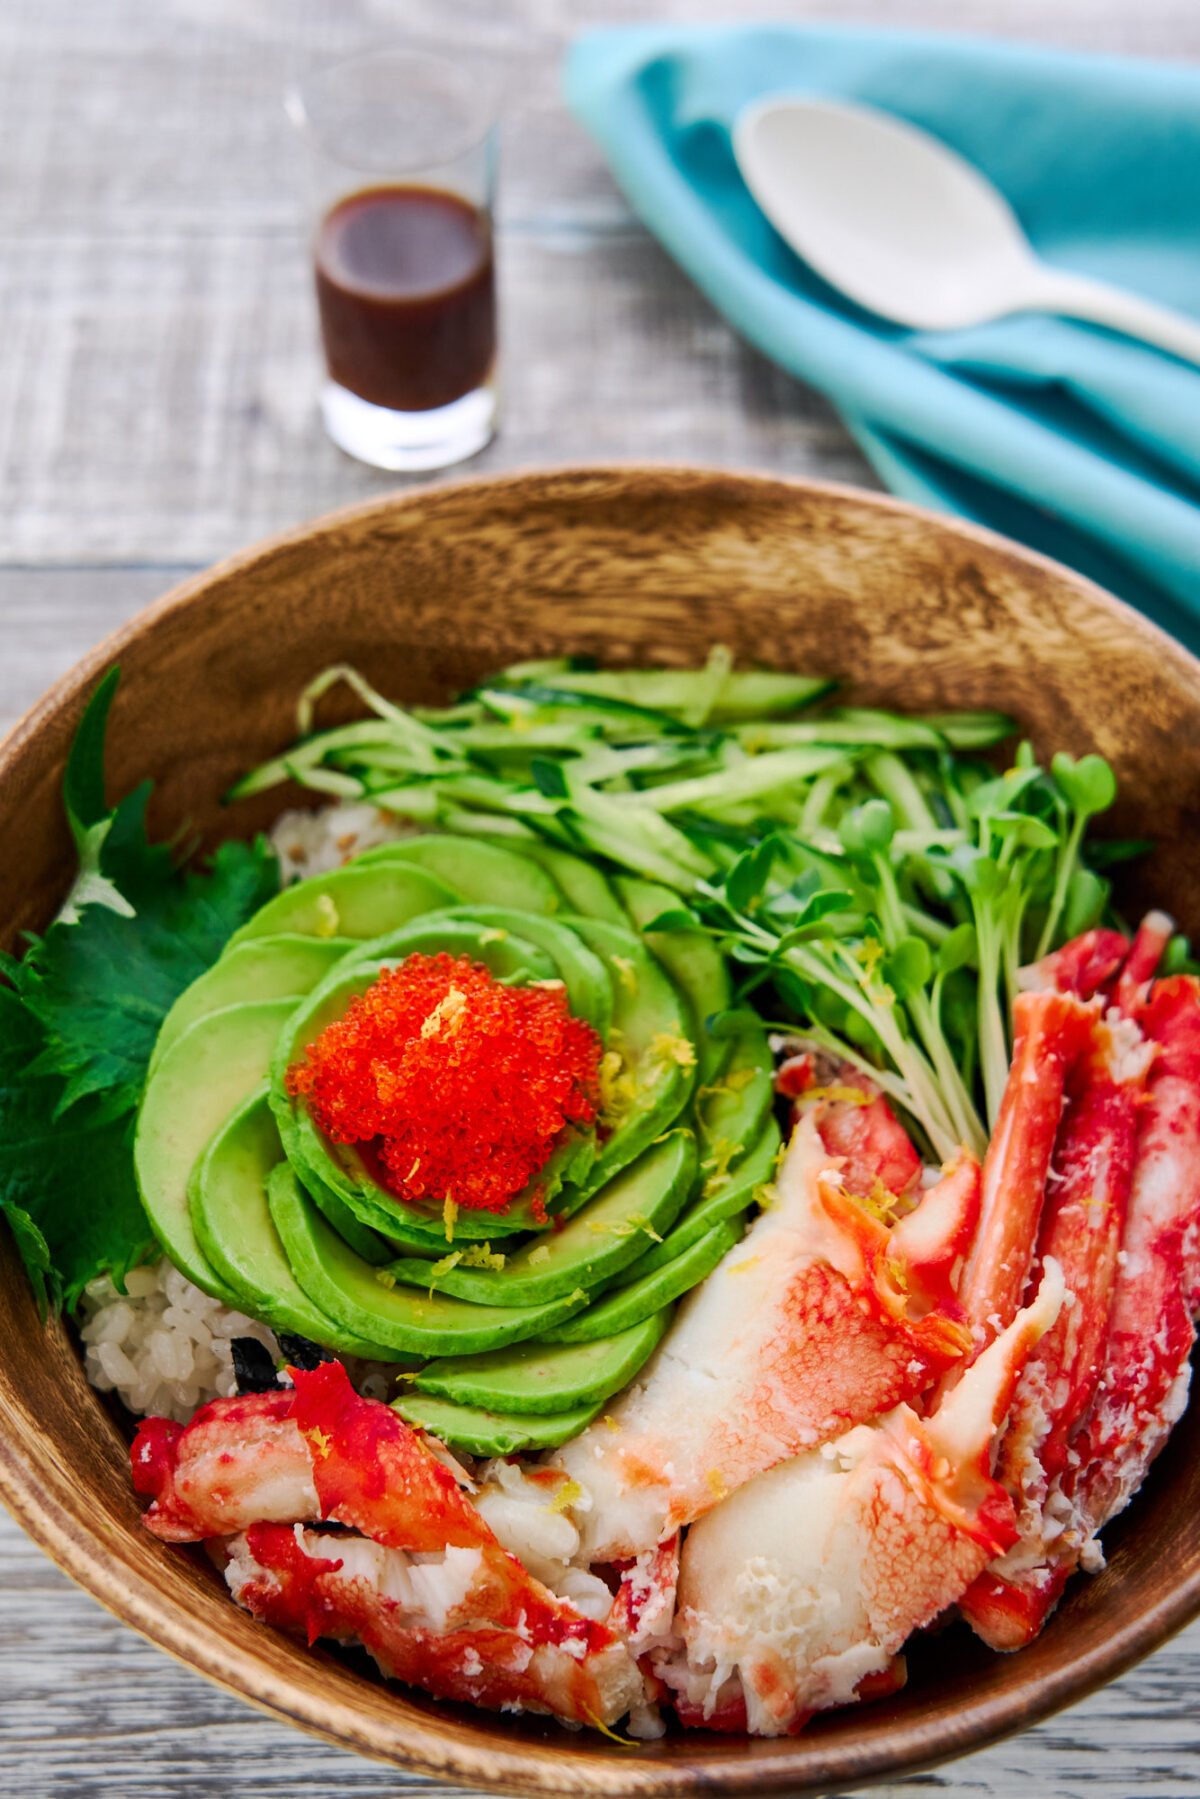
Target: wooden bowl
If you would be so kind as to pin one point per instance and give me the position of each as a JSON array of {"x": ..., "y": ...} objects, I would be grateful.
[{"x": 424, "y": 592}]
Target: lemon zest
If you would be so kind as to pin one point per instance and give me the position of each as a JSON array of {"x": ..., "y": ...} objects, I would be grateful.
[
  {"x": 745, "y": 1265},
  {"x": 328, "y": 917},
  {"x": 667, "y": 1046},
  {"x": 845, "y": 1096},
  {"x": 724, "y": 1151},
  {"x": 446, "y": 1014},
  {"x": 626, "y": 973},
  {"x": 443, "y": 1267},
  {"x": 482, "y": 1255},
  {"x": 569, "y": 1491}
]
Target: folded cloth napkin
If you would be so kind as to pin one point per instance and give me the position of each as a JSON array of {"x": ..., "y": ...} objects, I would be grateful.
[{"x": 1072, "y": 438}]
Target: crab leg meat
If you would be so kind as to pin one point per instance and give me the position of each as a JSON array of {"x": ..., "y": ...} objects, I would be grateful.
[
  {"x": 1088, "y": 1191},
  {"x": 1141, "y": 964},
  {"x": 1144, "y": 1380},
  {"x": 1105, "y": 962},
  {"x": 423, "y": 1584},
  {"x": 822, "y": 1317},
  {"x": 1085, "y": 966},
  {"x": 855, "y": 1121},
  {"x": 798, "y": 1592},
  {"x": 1051, "y": 1031}
]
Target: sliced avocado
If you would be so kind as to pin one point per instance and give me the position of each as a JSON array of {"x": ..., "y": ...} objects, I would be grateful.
[
  {"x": 511, "y": 958},
  {"x": 545, "y": 1377},
  {"x": 650, "y": 1020},
  {"x": 208, "y": 1071},
  {"x": 637, "y": 1206},
  {"x": 301, "y": 1147},
  {"x": 584, "y": 975},
  {"x": 626, "y": 1306},
  {"x": 491, "y": 1433},
  {"x": 692, "y": 960},
  {"x": 731, "y": 1110},
  {"x": 234, "y": 1228},
  {"x": 342, "y": 1171},
  {"x": 478, "y": 870},
  {"x": 585, "y": 890},
  {"x": 349, "y": 1226},
  {"x": 721, "y": 1196},
  {"x": 349, "y": 1290},
  {"x": 341, "y": 1166},
  {"x": 264, "y": 968},
  {"x": 358, "y": 901}
]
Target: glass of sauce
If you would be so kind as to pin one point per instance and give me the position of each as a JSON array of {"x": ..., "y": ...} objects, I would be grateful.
[{"x": 402, "y": 154}]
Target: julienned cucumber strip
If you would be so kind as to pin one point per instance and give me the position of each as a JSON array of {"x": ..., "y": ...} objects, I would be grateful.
[
  {"x": 749, "y": 694},
  {"x": 747, "y": 779}
]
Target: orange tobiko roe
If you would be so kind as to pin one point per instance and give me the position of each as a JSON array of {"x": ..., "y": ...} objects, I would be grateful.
[{"x": 461, "y": 1086}]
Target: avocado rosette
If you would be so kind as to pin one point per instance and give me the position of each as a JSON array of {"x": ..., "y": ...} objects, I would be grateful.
[{"x": 514, "y": 1325}]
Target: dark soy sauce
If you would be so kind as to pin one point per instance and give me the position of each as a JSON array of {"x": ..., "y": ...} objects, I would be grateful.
[{"x": 407, "y": 295}]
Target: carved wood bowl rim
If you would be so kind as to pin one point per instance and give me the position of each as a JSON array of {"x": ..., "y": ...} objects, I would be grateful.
[{"x": 310, "y": 1689}]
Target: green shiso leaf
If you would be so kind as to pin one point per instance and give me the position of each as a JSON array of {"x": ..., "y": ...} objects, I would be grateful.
[
  {"x": 101, "y": 988},
  {"x": 67, "y": 1186},
  {"x": 79, "y": 1021}
]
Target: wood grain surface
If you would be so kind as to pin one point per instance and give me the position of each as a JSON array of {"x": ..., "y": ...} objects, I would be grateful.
[{"x": 156, "y": 387}]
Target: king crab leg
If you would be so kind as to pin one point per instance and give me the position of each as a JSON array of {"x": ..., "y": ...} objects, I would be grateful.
[
  {"x": 1143, "y": 1383},
  {"x": 798, "y": 1592},
  {"x": 1051, "y": 1030},
  {"x": 1105, "y": 962},
  {"x": 423, "y": 1583},
  {"x": 822, "y": 1317},
  {"x": 1088, "y": 1192}
]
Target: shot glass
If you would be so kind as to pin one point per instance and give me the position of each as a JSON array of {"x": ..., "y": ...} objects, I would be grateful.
[{"x": 401, "y": 149}]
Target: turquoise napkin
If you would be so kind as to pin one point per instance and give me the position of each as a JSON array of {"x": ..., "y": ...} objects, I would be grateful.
[{"x": 1069, "y": 437}]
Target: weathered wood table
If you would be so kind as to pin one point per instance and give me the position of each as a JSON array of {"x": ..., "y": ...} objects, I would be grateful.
[{"x": 157, "y": 382}]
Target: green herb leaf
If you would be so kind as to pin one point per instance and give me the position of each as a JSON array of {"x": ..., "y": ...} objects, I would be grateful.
[
  {"x": 83, "y": 780},
  {"x": 907, "y": 968},
  {"x": 959, "y": 950},
  {"x": 101, "y": 988},
  {"x": 676, "y": 918},
  {"x": 869, "y": 829},
  {"x": 1088, "y": 786},
  {"x": 67, "y": 1187},
  {"x": 746, "y": 880},
  {"x": 1108, "y": 852},
  {"x": 1087, "y": 896}
]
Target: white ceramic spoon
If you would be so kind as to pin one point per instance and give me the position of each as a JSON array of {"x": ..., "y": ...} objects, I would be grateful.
[{"x": 910, "y": 230}]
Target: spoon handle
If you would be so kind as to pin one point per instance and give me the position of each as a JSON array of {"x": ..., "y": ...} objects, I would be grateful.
[{"x": 1079, "y": 297}]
